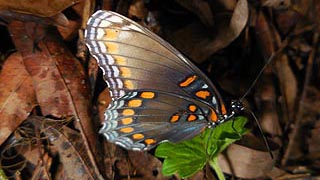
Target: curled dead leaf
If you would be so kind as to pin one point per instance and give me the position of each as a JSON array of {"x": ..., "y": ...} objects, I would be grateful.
[
  {"x": 231, "y": 31},
  {"x": 204, "y": 46},
  {"x": 201, "y": 8},
  {"x": 248, "y": 158}
]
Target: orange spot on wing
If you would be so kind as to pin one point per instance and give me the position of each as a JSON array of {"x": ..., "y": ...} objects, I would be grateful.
[
  {"x": 120, "y": 60},
  {"x": 135, "y": 103},
  {"x": 128, "y": 112},
  {"x": 128, "y": 84},
  {"x": 213, "y": 116},
  {"x": 150, "y": 141},
  {"x": 203, "y": 94},
  {"x": 125, "y": 72},
  {"x": 147, "y": 95},
  {"x": 112, "y": 47},
  {"x": 126, "y": 121},
  {"x": 126, "y": 130},
  {"x": 223, "y": 109},
  {"x": 138, "y": 136},
  {"x": 192, "y": 117},
  {"x": 192, "y": 108},
  {"x": 111, "y": 34},
  {"x": 174, "y": 118},
  {"x": 188, "y": 81}
]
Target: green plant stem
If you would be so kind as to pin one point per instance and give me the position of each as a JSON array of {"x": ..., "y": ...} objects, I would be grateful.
[{"x": 214, "y": 164}]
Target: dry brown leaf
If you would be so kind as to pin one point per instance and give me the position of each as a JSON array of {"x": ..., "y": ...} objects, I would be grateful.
[
  {"x": 288, "y": 82},
  {"x": 286, "y": 21},
  {"x": 72, "y": 153},
  {"x": 43, "y": 8},
  {"x": 146, "y": 165},
  {"x": 137, "y": 9},
  {"x": 74, "y": 27},
  {"x": 69, "y": 32},
  {"x": 103, "y": 101},
  {"x": 247, "y": 159},
  {"x": 228, "y": 34},
  {"x": 270, "y": 41},
  {"x": 193, "y": 46},
  {"x": 228, "y": 4},
  {"x": 266, "y": 35},
  {"x": 58, "y": 77},
  {"x": 57, "y": 20},
  {"x": 266, "y": 97},
  {"x": 276, "y": 3},
  {"x": 17, "y": 96},
  {"x": 201, "y": 8},
  {"x": 204, "y": 46},
  {"x": 313, "y": 141},
  {"x": 41, "y": 64}
]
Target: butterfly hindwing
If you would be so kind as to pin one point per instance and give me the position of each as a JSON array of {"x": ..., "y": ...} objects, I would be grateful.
[{"x": 141, "y": 119}]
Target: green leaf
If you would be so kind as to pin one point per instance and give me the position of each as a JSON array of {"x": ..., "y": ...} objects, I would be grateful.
[
  {"x": 188, "y": 157},
  {"x": 2, "y": 175}
]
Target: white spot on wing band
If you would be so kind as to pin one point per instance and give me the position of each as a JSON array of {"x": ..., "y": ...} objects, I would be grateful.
[
  {"x": 100, "y": 33},
  {"x": 214, "y": 101},
  {"x": 108, "y": 126},
  {"x": 130, "y": 95},
  {"x": 120, "y": 83},
  {"x": 110, "y": 114},
  {"x": 116, "y": 71},
  {"x": 116, "y": 104},
  {"x": 127, "y": 143},
  {"x": 104, "y": 23},
  {"x": 134, "y": 27},
  {"x": 110, "y": 59},
  {"x": 102, "y": 47},
  {"x": 115, "y": 19},
  {"x": 205, "y": 86}
]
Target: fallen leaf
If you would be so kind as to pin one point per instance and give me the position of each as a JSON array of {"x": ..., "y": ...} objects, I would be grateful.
[
  {"x": 58, "y": 77},
  {"x": 204, "y": 44},
  {"x": 17, "y": 96},
  {"x": 201, "y": 8},
  {"x": 72, "y": 153},
  {"x": 43, "y": 8},
  {"x": 248, "y": 158}
]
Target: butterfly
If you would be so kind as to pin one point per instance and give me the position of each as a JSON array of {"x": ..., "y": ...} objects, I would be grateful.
[{"x": 157, "y": 94}]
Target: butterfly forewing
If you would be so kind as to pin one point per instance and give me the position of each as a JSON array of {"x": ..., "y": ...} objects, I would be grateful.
[{"x": 157, "y": 93}]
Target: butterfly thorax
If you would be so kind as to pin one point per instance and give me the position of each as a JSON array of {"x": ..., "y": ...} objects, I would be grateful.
[{"x": 236, "y": 107}]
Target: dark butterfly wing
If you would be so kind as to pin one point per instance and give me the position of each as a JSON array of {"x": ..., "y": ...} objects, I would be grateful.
[
  {"x": 135, "y": 60},
  {"x": 141, "y": 119}
]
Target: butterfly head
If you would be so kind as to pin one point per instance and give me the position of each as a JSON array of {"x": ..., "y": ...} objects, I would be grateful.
[{"x": 236, "y": 107}]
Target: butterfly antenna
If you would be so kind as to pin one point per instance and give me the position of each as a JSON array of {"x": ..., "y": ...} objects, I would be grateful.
[
  {"x": 261, "y": 132},
  {"x": 252, "y": 114},
  {"x": 258, "y": 76}
]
